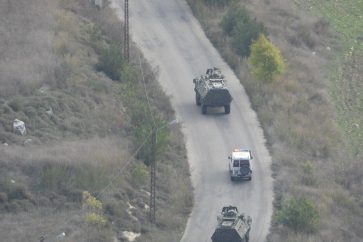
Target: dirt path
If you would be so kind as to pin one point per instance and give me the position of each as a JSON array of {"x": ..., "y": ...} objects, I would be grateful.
[{"x": 173, "y": 41}]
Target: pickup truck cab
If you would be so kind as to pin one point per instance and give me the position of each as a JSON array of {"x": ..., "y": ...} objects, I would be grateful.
[{"x": 240, "y": 165}]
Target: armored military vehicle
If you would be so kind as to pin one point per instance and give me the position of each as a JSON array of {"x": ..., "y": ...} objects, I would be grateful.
[
  {"x": 211, "y": 91},
  {"x": 232, "y": 226}
]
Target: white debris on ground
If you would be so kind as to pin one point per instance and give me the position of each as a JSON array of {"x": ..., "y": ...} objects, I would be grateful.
[
  {"x": 144, "y": 191},
  {"x": 130, "y": 236},
  {"x": 49, "y": 112},
  {"x": 19, "y": 127},
  {"x": 130, "y": 206},
  {"x": 60, "y": 236},
  {"x": 130, "y": 212},
  {"x": 27, "y": 142}
]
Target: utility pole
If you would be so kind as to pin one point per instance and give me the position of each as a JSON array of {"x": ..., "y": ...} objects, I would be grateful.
[
  {"x": 153, "y": 175},
  {"x": 126, "y": 32}
]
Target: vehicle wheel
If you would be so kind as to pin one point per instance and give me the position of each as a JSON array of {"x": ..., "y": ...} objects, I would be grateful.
[
  {"x": 227, "y": 109},
  {"x": 197, "y": 99},
  {"x": 250, "y": 178},
  {"x": 204, "y": 109},
  {"x": 232, "y": 178}
]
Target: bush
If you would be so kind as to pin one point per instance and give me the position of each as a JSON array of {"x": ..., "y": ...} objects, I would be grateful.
[
  {"x": 93, "y": 206},
  {"x": 140, "y": 174},
  {"x": 242, "y": 28},
  {"x": 266, "y": 60},
  {"x": 144, "y": 119},
  {"x": 299, "y": 214},
  {"x": 308, "y": 175},
  {"x": 232, "y": 17},
  {"x": 142, "y": 131},
  {"x": 243, "y": 35},
  {"x": 110, "y": 61},
  {"x": 14, "y": 191}
]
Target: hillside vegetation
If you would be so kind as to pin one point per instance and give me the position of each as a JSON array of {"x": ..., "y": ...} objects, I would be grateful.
[
  {"x": 311, "y": 115},
  {"x": 81, "y": 169}
]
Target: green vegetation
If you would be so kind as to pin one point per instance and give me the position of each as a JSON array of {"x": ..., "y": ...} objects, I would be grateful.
[
  {"x": 242, "y": 29},
  {"x": 266, "y": 60},
  {"x": 300, "y": 214},
  {"x": 345, "y": 17},
  {"x": 94, "y": 210},
  {"x": 111, "y": 61},
  {"x": 140, "y": 174}
]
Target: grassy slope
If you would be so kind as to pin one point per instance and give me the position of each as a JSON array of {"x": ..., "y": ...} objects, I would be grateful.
[
  {"x": 346, "y": 79},
  {"x": 49, "y": 54},
  {"x": 311, "y": 157}
]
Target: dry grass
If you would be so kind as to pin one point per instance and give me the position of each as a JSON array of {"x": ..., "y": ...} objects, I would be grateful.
[
  {"x": 25, "y": 46},
  {"x": 299, "y": 117},
  {"x": 80, "y": 130}
]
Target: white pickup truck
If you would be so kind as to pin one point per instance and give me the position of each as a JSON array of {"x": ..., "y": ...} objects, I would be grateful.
[{"x": 240, "y": 165}]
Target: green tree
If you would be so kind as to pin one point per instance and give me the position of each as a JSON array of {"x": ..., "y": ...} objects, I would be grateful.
[
  {"x": 144, "y": 120},
  {"x": 242, "y": 29},
  {"x": 243, "y": 35},
  {"x": 266, "y": 61},
  {"x": 299, "y": 214},
  {"x": 232, "y": 17}
]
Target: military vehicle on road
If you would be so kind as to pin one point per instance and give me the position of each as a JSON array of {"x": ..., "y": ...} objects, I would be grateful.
[
  {"x": 211, "y": 91},
  {"x": 232, "y": 226}
]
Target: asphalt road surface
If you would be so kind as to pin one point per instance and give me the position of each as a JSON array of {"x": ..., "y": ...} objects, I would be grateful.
[{"x": 174, "y": 43}]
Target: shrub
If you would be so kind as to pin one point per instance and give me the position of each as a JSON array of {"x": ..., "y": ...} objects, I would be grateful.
[
  {"x": 94, "y": 207},
  {"x": 266, "y": 60},
  {"x": 14, "y": 190},
  {"x": 243, "y": 35},
  {"x": 142, "y": 131},
  {"x": 144, "y": 119},
  {"x": 242, "y": 28},
  {"x": 110, "y": 61},
  {"x": 95, "y": 219},
  {"x": 140, "y": 174},
  {"x": 232, "y": 17},
  {"x": 91, "y": 202},
  {"x": 17, "y": 103},
  {"x": 308, "y": 175},
  {"x": 299, "y": 214}
]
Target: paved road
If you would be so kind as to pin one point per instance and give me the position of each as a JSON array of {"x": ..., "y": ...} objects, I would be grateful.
[{"x": 173, "y": 41}]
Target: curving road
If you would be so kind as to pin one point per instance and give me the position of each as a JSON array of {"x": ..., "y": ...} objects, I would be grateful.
[{"x": 173, "y": 41}]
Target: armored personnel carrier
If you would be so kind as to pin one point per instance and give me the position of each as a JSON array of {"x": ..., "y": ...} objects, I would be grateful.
[
  {"x": 232, "y": 226},
  {"x": 211, "y": 91}
]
